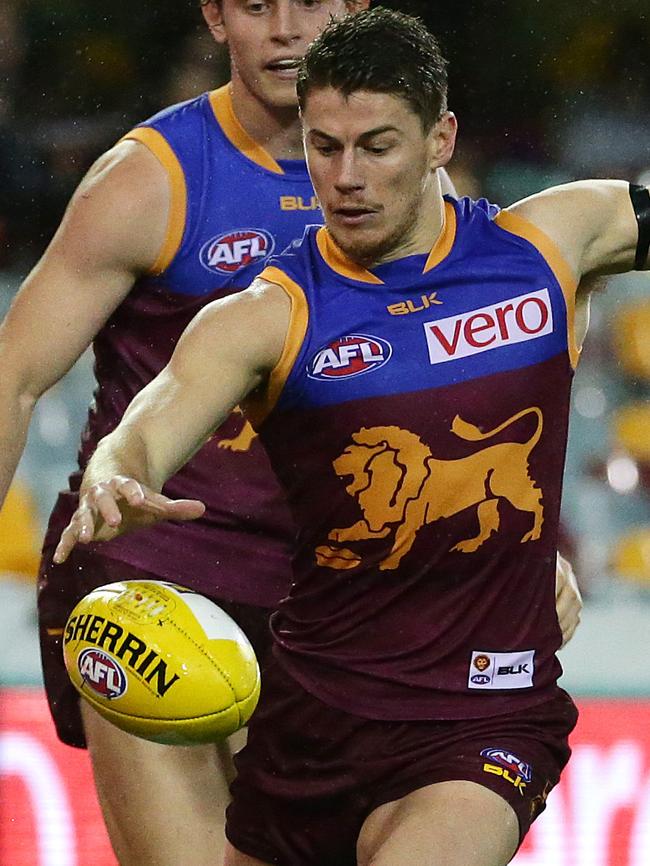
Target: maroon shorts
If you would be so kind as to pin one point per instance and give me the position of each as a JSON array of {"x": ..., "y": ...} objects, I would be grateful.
[
  {"x": 311, "y": 774},
  {"x": 60, "y": 587}
]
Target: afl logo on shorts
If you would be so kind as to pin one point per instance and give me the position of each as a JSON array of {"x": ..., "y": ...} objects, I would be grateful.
[
  {"x": 102, "y": 673},
  {"x": 349, "y": 356},
  {"x": 229, "y": 252},
  {"x": 511, "y": 762}
]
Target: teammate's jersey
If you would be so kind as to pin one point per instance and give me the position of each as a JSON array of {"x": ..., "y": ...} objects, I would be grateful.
[
  {"x": 232, "y": 205},
  {"x": 418, "y": 420}
]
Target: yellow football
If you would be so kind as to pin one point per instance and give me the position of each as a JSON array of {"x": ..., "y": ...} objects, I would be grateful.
[{"x": 161, "y": 662}]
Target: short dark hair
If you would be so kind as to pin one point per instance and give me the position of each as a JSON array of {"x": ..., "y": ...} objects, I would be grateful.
[{"x": 382, "y": 51}]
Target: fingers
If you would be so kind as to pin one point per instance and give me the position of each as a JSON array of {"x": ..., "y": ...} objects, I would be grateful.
[
  {"x": 109, "y": 508},
  {"x": 568, "y": 599}
]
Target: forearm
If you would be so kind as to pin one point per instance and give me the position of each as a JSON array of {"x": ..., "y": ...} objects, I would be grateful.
[
  {"x": 14, "y": 424},
  {"x": 122, "y": 452}
]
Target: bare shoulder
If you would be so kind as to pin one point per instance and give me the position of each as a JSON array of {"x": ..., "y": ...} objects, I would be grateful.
[
  {"x": 592, "y": 223},
  {"x": 251, "y": 325},
  {"x": 119, "y": 211}
]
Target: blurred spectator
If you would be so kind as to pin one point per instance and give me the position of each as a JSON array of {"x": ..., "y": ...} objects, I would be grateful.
[{"x": 605, "y": 124}]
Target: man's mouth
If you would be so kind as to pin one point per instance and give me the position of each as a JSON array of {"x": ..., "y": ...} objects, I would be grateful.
[
  {"x": 353, "y": 214},
  {"x": 287, "y": 66}
]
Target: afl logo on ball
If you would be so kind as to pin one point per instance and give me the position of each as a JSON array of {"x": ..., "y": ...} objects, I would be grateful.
[
  {"x": 102, "y": 673},
  {"x": 349, "y": 356},
  {"x": 229, "y": 252}
]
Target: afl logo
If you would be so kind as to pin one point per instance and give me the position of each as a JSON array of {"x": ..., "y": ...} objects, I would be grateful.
[
  {"x": 102, "y": 673},
  {"x": 349, "y": 356},
  {"x": 229, "y": 252},
  {"x": 509, "y": 761}
]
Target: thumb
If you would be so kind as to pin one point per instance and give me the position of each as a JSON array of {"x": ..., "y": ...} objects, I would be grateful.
[{"x": 185, "y": 509}]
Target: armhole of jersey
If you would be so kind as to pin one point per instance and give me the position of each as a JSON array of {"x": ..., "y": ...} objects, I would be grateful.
[
  {"x": 517, "y": 225},
  {"x": 159, "y": 146},
  {"x": 258, "y": 407}
]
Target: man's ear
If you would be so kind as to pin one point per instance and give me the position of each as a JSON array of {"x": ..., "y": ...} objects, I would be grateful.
[
  {"x": 442, "y": 139},
  {"x": 213, "y": 14},
  {"x": 357, "y": 5}
]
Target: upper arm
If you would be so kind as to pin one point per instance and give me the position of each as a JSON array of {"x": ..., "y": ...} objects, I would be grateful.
[
  {"x": 592, "y": 222},
  {"x": 111, "y": 232},
  {"x": 227, "y": 351}
]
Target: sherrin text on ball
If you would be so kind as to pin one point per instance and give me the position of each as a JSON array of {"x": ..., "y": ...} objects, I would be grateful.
[{"x": 161, "y": 662}]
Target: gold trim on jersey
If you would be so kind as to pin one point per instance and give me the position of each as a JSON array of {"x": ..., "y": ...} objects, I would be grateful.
[
  {"x": 161, "y": 149},
  {"x": 338, "y": 261},
  {"x": 446, "y": 238},
  {"x": 518, "y": 225},
  {"x": 221, "y": 102},
  {"x": 258, "y": 406},
  {"x": 334, "y": 256}
]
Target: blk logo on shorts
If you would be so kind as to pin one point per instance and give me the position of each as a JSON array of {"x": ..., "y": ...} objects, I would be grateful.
[
  {"x": 102, "y": 673},
  {"x": 511, "y": 762},
  {"x": 349, "y": 356},
  {"x": 231, "y": 251},
  {"x": 501, "y": 762}
]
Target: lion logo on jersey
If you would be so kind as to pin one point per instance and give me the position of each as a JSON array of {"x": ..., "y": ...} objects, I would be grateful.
[
  {"x": 243, "y": 440},
  {"x": 400, "y": 487}
]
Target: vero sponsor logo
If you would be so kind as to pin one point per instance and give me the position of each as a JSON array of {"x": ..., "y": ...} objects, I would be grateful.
[
  {"x": 231, "y": 251},
  {"x": 516, "y": 320}
]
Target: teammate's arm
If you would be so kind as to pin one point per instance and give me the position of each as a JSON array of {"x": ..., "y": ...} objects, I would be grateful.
[
  {"x": 112, "y": 231},
  {"x": 592, "y": 222},
  {"x": 226, "y": 352}
]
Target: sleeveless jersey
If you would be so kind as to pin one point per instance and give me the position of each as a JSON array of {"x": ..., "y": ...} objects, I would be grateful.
[
  {"x": 418, "y": 420},
  {"x": 232, "y": 206}
]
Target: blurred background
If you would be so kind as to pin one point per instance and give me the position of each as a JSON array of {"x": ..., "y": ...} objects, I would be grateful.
[{"x": 546, "y": 91}]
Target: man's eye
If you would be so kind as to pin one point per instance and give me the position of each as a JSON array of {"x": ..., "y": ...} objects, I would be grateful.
[{"x": 377, "y": 149}]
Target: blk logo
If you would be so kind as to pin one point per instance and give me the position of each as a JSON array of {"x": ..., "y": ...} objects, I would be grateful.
[
  {"x": 102, "y": 673},
  {"x": 349, "y": 356},
  {"x": 511, "y": 762},
  {"x": 229, "y": 252}
]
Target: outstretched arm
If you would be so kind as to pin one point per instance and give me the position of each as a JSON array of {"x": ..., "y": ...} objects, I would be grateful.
[{"x": 226, "y": 352}]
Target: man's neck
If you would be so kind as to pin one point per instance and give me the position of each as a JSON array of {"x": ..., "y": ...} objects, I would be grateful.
[{"x": 277, "y": 130}]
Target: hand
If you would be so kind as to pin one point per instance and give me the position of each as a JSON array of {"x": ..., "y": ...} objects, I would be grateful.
[
  {"x": 110, "y": 508},
  {"x": 568, "y": 600}
]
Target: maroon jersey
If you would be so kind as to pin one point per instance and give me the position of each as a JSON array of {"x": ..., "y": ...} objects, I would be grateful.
[
  {"x": 418, "y": 422},
  {"x": 240, "y": 549}
]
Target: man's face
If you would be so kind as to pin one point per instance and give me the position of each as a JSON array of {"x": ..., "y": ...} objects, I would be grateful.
[
  {"x": 372, "y": 167},
  {"x": 267, "y": 38}
]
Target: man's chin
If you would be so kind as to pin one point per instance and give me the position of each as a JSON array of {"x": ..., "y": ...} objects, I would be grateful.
[{"x": 362, "y": 250}]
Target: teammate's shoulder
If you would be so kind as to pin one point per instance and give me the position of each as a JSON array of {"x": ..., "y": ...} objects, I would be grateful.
[
  {"x": 177, "y": 111},
  {"x": 300, "y": 249}
]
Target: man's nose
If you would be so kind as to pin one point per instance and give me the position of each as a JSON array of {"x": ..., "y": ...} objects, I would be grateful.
[
  {"x": 349, "y": 177},
  {"x": 285, "y": 26}
]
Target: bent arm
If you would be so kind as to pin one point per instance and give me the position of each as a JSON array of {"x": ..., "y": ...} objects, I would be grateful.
[
  {"x": 592, "y": 222},
  {"x": 108, "y": 236},
  {"x": 226, "y": 352}
]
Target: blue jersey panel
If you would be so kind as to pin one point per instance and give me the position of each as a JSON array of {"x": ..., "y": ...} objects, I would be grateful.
[
  {"x": 239, "y": 212},
  {"x": 497, "y": 310}
]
